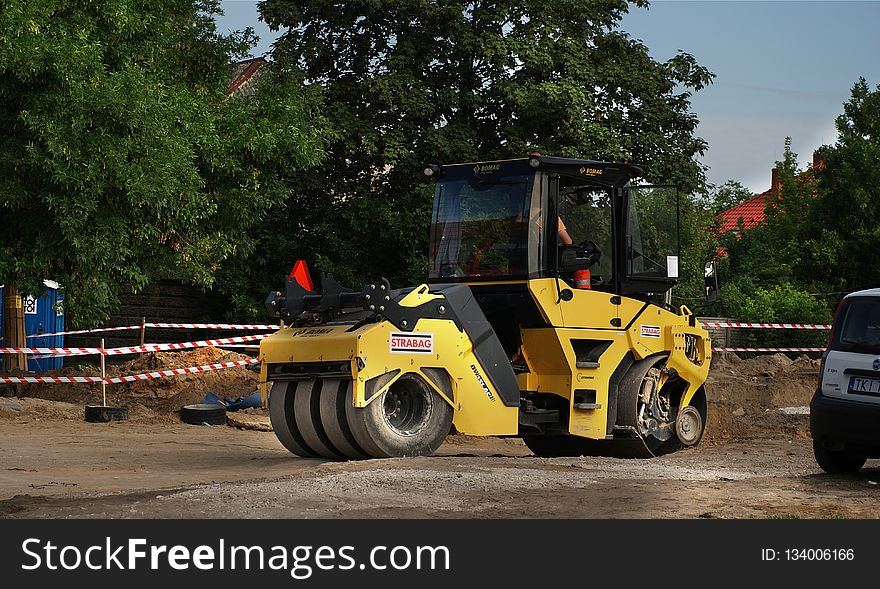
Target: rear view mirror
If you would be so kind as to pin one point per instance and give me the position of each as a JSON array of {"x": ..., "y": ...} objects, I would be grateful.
[{"x": 710, "y": 274}]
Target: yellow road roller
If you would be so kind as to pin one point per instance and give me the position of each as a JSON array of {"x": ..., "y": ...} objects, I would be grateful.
[{"x": 546, "y": 315}]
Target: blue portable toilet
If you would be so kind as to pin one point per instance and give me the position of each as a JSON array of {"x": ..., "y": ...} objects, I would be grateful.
[{"x": 42, "y": 314}]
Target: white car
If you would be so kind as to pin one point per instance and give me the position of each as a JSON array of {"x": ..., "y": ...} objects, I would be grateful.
[{"x": 845, "y": 410}]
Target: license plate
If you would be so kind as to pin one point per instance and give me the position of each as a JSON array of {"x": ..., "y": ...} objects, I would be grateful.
[{"x": 864, "y": 386}]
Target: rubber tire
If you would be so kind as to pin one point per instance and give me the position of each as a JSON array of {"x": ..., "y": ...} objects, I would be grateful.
[
  {"x": 701, "y": 404},
  {"x": 333, "y": 418},
  {"x": 306, "y": 412},
  {"x": 381, "y": 440},
  {"x": 203, "y": 414},
  {"x": 840, "y": 461},
  {"x": 627, "y": 406},
  {"x": 283, "y": 423},
  {"x": 105, "y": 414}
]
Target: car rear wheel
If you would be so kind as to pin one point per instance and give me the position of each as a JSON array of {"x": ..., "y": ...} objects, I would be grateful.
[{"x": 841, "y": 461}]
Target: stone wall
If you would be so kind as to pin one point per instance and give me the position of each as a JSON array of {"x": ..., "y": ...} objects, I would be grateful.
[{"x": 165, "y": 301}]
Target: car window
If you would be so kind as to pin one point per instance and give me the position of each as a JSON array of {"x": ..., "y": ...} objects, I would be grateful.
[{"x": 859, "y": 327}]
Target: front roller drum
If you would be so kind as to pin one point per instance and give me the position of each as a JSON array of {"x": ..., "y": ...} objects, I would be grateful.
[
  {"x": 281, "y": 398},
  {"x": 317, "y": 418},
  {"x": 408, "y": 419}
]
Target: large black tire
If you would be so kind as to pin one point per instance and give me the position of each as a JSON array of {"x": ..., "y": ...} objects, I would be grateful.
[
  {"x": 306, "y": 411},
  {"x": 105, "y": 414},
  {"x": 628, "y": 408},
  {"x": 408, "y": 419},
  {"x": 203, "y": 414},
  {"x": 845, "y": 461},
  {"x": 335, "y": 422},
  {"x": 281, "y": 399}
]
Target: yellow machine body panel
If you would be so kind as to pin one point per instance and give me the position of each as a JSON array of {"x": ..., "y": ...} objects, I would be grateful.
[
  {"x": 450, "y": 367},
  {"x": 643, "y": 330},
  {"x": 378, "y": 354}
]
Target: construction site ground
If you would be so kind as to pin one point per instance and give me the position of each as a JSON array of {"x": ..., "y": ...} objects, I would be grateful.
[{"x": 755, "y": 460}]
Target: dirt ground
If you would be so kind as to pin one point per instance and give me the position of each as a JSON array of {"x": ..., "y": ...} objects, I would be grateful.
[{"x": 754, "y": 462}]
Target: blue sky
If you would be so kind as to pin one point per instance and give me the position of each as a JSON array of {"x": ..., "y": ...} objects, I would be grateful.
[{"x": 782, "y": 68}]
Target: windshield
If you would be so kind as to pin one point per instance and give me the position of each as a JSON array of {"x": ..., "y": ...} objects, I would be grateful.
[
  {"x": 585, "y": 215},
  {"x": 480, "y": 227},
  {"x": 859, "y": 327},
  {"x": 652, "y": 232}
]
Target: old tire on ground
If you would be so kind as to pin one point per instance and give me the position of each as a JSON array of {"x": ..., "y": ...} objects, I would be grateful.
[
  {"x": 105, "y": 414},
  {"x": 306, "y": 412},
  {"x": 203, "y": 414},
  {"x": 408, "y": 419},
  {"x": 283, "y": 423},
  {"x": 333, "y": 418},
  {"x": 842, "y": 461}
]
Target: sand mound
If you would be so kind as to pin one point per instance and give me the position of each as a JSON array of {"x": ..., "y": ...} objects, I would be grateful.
[{"x": 745, "y": 396}]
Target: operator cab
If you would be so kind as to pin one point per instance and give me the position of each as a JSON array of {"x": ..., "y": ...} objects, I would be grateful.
[{"x": 550, "y": 217}]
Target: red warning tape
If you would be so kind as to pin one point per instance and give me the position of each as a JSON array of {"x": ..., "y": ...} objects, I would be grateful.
[
  {"x": 52, "y": 351},
  {"x": 131, "y": 378},
  {"x": 77, "y": 331},
  {"x": 175, "y": 371},
  {"x": 765, "y": 325},
  {"x": 48, "y": 352},
  {"x": 182, "y": 346},
  {"x": 246, "y": 327},
  {"x": 769, "y": 349},
  {"x": 18, "y": 379},
  {"x": 258, "y": 327}
]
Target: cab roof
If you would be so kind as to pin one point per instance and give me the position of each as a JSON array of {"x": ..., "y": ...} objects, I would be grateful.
[{"x": 602, "y": 173}]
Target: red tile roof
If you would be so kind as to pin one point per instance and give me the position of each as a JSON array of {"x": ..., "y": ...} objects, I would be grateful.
[{"x": 751, "y": 212}]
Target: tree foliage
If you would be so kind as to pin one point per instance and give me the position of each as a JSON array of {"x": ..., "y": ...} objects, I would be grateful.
[
  {"x": 770, "y": 261},
  {"x": 845, "y": 220},
  {"x": 417, "y": 81},
  {"x": 728, "y": 195},
  {"x": 120, "y": 157},
  {"x": 821, "y": 229}
]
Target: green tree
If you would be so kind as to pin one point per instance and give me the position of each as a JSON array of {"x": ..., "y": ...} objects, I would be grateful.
[
  {"x": 773, "y": 251},
  {"x": 121, "y": 158},
  {"x": 727, "y": 196},
  {"x": 765, "y": 275},
  {"x": 845, "y": 219},
  {"x": 417, "y": 81}
]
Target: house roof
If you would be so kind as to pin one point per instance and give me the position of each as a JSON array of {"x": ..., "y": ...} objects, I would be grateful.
[
  {"x": 244, "y": 77},
  {"x": 750, "y": 211}
]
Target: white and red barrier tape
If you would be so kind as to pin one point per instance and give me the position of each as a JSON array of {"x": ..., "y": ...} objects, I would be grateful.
[
  {"x": 130, "y": 378},
  {"x": 258, "y": 327},
  {"x": 45, "y": 379},
  {"x": 768, "y": 349},
  {"x": 77, "y": 331},
  {"x": 132, "y": 349},
  {"x": 49, "y": 352},
  {"x": 245, "y": 327},
  {"x": 182, "y": 346},
  {"x": 765, "y": 325},
  {"x": 176, "y": 371}
]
